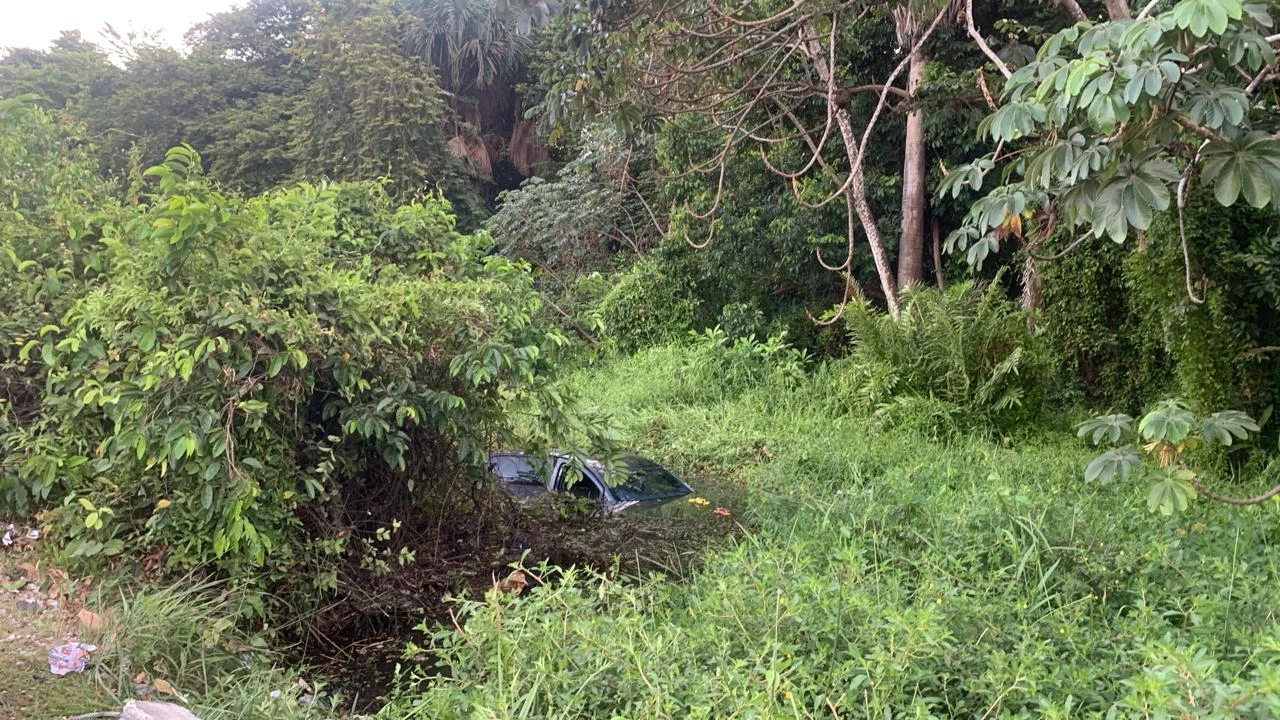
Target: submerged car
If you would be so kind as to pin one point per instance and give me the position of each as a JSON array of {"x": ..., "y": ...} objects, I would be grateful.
[{"x": 631, "y": 481}]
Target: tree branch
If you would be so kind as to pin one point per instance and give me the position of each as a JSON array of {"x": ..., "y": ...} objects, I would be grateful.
[
  {"x": 1256, "y": 500},
  {"x": 1187, "y": 124},
  {"x": 982, "y": 42},
  {"x": 1117, "y": 9},
  {"x": 1072, "y": 9},
  {"x": 1147, "y": 10}
]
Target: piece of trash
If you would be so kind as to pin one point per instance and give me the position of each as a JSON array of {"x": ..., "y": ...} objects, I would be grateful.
[
  {"x": 155, "y": 710},
  {"x": 274, "y": 693},
  {"x": 699, "y": 501},
  {"x": 91, "y": 620},
  {"x": 69, "y": 657},
  {"x": 164, "y": 686},
  {"x": 33, "y": 534},
  {"x": 514, "y": 583},
  {"x": 722, "y": 512},
  {"x": 9, "y": 530}
]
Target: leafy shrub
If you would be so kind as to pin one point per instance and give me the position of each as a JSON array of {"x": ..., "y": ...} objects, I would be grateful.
[
  {"x": 1220, "y": 350},
  {"x": 645, "y": 307},
  {"x": 50, "y": 254},
  {"x": 967, "y": 350},
  {"x": 742, "y": 319},
  {"x": 584, "y": 218},
  {"x": 1091, "y": 318},
  {"x": 253, "y": 379},
  {"x": 1168, "y": 434}
]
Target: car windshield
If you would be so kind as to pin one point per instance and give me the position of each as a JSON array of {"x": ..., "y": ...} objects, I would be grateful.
[{"x": 645, "y": 480}]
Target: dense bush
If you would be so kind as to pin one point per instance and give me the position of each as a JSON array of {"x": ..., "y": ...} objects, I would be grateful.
[
  {"x": 965, "y": 353},
  {"x": 1090, "y": 318},
  {"x": 248, "y": 381},
  {"x": 50, "y": 254},
  {"x": 1136, "y": 334},
  {"x": 1220, "y": 351},
  {"x": 647, "y": 306}
]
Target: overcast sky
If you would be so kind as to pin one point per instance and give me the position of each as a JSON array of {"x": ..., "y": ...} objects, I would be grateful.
[{"x": 36, "y": 23}]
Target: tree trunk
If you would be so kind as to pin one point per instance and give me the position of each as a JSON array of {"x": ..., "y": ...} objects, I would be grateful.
[
  {"x": 857, "y": 192},
  {"x": 1072, "y": 9},
  {"x": 914, "y": 198},
  {"x": 855, "y": 188},
  {"x": 1117, "y": 9}
]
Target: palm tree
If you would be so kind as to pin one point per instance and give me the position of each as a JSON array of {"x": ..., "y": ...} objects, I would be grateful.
[{"x": 480, "y": 54}]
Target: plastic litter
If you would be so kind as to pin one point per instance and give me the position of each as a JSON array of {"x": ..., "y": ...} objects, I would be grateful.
[
  {"x": 69, "y": 657},
  {"x": 9, "y": 530}
]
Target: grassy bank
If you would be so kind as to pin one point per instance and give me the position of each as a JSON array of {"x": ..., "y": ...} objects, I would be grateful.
[
  {"x": 904, "y": 570},
  {"x": 177, "y": 642}
]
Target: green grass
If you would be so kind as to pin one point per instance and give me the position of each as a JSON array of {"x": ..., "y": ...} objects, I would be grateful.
[
  {"x": 189, "y": 634},
  {"x": 917, "y": 572},
  {"x": 151, "y": 638}
]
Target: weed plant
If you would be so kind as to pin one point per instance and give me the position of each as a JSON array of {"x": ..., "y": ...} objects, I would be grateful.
[{"x": 188, "y": 638}]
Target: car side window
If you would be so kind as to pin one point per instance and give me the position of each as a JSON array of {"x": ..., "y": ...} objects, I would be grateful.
[
  {"x": 516, "y": 469},
  {"x": 577, "y": 484}
]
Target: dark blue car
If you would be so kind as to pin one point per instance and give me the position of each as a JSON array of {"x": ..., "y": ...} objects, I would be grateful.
[{"x": 631, "y": 481}]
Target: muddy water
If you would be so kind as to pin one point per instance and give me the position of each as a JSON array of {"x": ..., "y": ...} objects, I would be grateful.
[{"x": 669, "y": 538}]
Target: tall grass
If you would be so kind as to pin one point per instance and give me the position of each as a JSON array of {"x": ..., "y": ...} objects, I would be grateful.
[
  {"x": 188, "y": 637},
  {"x": 889, "y": 573}
]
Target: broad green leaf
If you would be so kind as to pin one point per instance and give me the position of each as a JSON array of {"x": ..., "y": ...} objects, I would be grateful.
[
  {"x": 1248, "y": 167},
  {"x": 1108, "y": 426},
  {"x": 1257, "y": 12},
  {"x": 1170, "y": 492},
  {"x": 1201, "y": 16},
  {"x": 1118, "y": 463},
  {"x": 1169, "y": 422},
  {"x": 1226, "y": 426}
]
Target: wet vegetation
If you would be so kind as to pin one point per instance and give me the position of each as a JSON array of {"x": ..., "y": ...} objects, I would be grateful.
[{"x": 978, "y": 427}]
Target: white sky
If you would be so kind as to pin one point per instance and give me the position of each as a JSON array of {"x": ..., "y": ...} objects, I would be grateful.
[{"x": 36, "y": 23}]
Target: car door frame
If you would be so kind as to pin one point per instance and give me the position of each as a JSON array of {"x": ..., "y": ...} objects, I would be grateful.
[{"x": 555, "y": 482}]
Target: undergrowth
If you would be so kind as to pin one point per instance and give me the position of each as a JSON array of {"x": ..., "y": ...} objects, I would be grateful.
[
  {"x": 887, "y": 573},
  {"x": 187, "y": 641}
]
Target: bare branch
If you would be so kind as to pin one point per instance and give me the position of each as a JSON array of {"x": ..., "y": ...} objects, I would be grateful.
[
  {"x": 1256, "y": 500},
  {"x": 1183, "y": 186},
  {"x": 1063, "y": 253},
  {"x": 982, "y": 42}
]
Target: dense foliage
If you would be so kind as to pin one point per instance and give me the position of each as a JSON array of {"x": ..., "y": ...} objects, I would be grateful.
[
  {"x": 966, "y": 356},
  {"x": 241, "y": 382},
  {"x": 884, "y": 573},
  {"x": 251, "y": 330}
]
